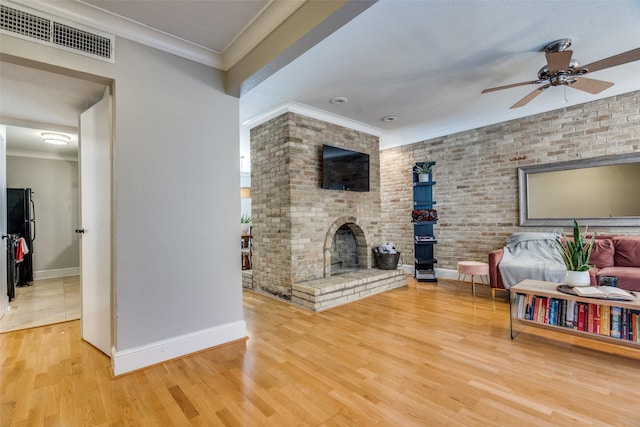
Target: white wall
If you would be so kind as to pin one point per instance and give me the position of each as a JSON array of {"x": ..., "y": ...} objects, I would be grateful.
[
  {"x": 177, "y": 189},
  {"x": 175, "y": 173},
  {"x": 55, "y": 194}
]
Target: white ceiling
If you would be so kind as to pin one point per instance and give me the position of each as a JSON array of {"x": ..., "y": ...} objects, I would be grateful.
[{"x": 423, "y": 61}]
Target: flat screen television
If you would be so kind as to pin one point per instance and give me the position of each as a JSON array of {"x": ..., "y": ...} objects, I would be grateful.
[{"x": 344, "y": 169}]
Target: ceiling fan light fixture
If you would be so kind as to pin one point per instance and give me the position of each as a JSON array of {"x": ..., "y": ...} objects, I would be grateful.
[{"x": 55, "y": 138}]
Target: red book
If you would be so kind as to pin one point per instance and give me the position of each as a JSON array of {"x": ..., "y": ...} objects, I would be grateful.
[
  {"x": 543, "y": 310},
  {"x": 581, "y": 315},
  {"x": 596, "y": 319}
]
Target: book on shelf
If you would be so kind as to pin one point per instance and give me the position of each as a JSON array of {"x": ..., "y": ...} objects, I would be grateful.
[
  {"x": 602, "y": 292},
  {"x": 605, "y": 320},
  {"x": 581, "y": 316},
  {"x": 570, "y": 321},
  {"x": 616, "y": 314},
  {"x": 624, "y": 323}
]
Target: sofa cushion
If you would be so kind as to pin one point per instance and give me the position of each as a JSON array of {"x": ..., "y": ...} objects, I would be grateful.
[
  {"x": 602, "y": 253},
  {"x": 627, "y": 251},
  {"x": 628, "y": 277}
]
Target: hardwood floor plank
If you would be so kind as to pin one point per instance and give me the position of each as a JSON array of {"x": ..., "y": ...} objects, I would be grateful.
[
  {"x": 414, "y": 356},
  {"x": 183, "y": 402}
]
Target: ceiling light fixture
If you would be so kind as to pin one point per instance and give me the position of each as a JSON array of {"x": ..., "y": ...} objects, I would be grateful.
[
  {"x": 339, "y": 100},
  {"x": 389, "y": 118},
  {"x": 55, "y": 138}
]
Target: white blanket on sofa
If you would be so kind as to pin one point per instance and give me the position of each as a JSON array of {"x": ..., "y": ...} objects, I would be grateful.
[{"x": 531, "y": 255}]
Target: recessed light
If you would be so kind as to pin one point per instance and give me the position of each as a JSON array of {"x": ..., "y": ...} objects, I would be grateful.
[
  {"x": 389, "y": 118},
  {"x": 55, "y": 138},
  {"x": 338, "y": 100}
]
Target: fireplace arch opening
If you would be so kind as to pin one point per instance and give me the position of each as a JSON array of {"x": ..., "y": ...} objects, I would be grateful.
[{"x": 346, "y": 248}]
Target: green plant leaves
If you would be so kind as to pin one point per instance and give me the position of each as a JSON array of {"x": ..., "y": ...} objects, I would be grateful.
[{"x": 576, "y": 253}]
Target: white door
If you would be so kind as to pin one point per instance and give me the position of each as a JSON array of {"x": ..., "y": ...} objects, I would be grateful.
[
  {"x": 4, "y": 299},
  {"x": 95, "y": 224}
]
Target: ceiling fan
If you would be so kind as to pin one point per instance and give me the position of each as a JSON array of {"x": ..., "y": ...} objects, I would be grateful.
[{"x": 561, "y": 69}]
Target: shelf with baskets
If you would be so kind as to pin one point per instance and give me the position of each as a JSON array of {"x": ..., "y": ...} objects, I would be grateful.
[{"x": 424, "y": 217}]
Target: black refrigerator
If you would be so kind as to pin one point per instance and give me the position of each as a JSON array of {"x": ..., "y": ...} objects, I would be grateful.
[{"x": 21, "y": 222}]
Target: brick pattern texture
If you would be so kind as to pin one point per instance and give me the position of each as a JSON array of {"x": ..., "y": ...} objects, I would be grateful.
[
  {"x": 293, "y": 218},
  {"x": 477, "y": 180}
]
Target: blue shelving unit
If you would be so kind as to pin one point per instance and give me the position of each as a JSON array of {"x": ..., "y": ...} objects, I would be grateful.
[{"x": 424, "y": 217}]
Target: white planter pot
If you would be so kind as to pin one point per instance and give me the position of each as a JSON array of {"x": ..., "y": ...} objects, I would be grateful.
[
  {"x": 578, "y": 278},
  {"x": 424, "y": 177},
  {"x": 244, "y": 229}
]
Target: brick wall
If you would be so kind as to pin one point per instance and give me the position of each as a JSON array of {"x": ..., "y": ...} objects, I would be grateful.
[
  {"x": 270, "y": 207},
  {"x": 292, "y": 216},
  {"x": 476, "y": 173}
]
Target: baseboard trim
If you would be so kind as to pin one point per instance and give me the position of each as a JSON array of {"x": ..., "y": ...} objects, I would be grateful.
[
  {"x": 441, "y": 273},
  {"x": 126, "y": 361},
  {"x": 445, "y": 273},
  {"x": 53, "y": 274}
]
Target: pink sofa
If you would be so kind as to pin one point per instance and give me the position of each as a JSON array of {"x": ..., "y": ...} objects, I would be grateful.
[{"x": 617, "y": 256}]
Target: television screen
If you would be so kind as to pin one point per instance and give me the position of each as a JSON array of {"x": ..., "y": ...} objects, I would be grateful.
[{"x": 344, "y": 169}]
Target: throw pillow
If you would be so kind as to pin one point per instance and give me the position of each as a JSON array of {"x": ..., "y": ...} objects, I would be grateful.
[
  {"x": 602, "y": 253},
  {"x": 627, "y": 251}
]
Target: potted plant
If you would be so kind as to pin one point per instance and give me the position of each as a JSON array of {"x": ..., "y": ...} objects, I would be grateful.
[
  {"x": 575, "y": 254},
  {"x": 245, "y": 222},
  {"x": 424, "y": 171}
]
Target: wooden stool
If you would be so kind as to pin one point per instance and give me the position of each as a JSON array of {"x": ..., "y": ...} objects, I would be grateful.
[{"x": 473, "y": 268}]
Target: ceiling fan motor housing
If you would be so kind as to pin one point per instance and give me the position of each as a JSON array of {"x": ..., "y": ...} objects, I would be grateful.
[{"x": 573, "y": 69}]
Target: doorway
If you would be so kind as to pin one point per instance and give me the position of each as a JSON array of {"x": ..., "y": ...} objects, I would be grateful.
[{"x": 49, "y": 101}]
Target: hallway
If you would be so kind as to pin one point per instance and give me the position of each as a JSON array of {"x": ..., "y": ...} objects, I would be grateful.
[{"x": 45, "y": 302}]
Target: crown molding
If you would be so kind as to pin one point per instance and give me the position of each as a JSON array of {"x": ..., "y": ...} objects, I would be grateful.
[
  {"x": 255, "y": 32},
  {"x": 314, "y": 113},
  {"x": 274, "y": 14},
  {"x": 101, "y": 20}
]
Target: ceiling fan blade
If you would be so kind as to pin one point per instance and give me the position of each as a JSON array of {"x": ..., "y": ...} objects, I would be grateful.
[
  {"x": 592, "y": 86},
  {"x": 612, "y": 61},
  {"x": 493, "y": 89},
  {"x": 559, "y": 60},
  {"x": 524, "y": 101}
]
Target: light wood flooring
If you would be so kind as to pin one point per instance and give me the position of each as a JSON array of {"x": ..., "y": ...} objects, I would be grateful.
[
  {"x": 45, "y": 302},
  {"x": 414, "y": 356}
]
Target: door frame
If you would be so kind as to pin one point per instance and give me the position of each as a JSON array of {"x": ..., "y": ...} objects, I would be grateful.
[{"x": 110, "y": 84}]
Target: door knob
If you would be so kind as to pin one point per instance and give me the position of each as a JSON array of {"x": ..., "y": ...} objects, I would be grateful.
[{"x": 80, "y": 230}]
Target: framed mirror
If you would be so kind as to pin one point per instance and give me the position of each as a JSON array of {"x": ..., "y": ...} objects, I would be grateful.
[{"x": 601, "y": 191}]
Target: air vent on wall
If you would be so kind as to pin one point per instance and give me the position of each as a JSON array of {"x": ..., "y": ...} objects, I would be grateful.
[{"x": 56, "y": 33}]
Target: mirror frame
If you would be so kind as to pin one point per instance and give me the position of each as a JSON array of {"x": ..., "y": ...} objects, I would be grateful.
[{"x": 525, "y": 171}]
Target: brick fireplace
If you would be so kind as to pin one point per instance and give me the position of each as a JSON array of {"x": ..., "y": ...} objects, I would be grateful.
[{"x": 306, "y": 237}]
